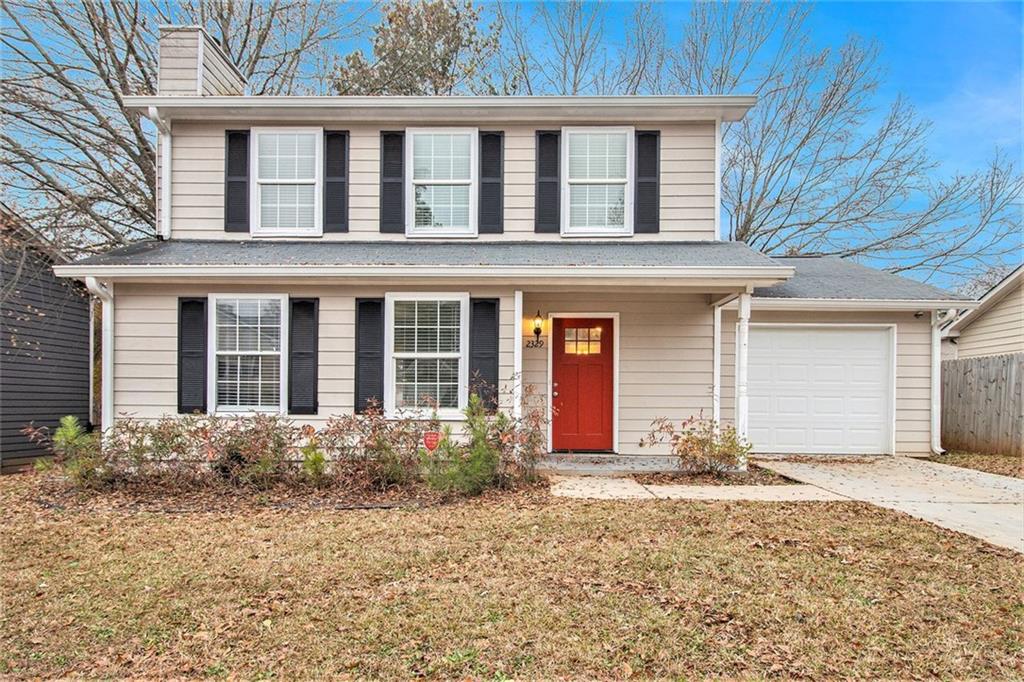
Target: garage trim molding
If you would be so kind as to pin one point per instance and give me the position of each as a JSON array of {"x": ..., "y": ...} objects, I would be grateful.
[{"x": 891, "y": 327}]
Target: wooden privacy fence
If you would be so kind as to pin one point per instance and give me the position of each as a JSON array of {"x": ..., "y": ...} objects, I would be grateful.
[{"x": 982, "y": 404}]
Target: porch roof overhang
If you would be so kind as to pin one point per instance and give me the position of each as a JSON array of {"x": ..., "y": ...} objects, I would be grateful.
[
  {"x": 426, "y": 109},
  {"x": 830, "y": 283},
  {"x": 718, "y": 265}
]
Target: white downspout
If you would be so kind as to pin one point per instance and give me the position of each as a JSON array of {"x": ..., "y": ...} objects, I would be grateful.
[
  {"x": 105, "y": 292},
  {"x": 164, "y": 130}
]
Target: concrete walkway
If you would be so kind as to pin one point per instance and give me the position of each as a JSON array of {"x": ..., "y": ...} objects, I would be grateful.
[
  {"x": 986, "y": 506},
  {"x": 611, "y": 488}
]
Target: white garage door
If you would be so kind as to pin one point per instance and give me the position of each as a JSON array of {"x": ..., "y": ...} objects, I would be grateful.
[{"x": 820, "y": 389}]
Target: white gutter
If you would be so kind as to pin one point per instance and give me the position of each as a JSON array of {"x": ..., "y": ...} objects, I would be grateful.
[
  {"x": 105, "y": 292},
  {"x": 723, "y": 274},
  {"x": 503, "y": 109},
  {"x": 164, "y": 228},
  {"x": 854, "y": 304},
  {"x": 936, "y": 380}
]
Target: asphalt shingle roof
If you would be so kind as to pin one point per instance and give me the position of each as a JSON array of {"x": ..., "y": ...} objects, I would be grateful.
[
  {"x": 833, "y": 277},
  {"x": 815, "y": 277},
  {"x": 567, "y": 254}
]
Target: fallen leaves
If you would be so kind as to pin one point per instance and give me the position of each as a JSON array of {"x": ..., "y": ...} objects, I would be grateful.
[{"x": 511, "y": 585}]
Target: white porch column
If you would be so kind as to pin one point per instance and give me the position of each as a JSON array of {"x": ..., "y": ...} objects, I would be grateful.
[
  {"x": 517, "y": 355},
  {"x": 742, "y": 344}
]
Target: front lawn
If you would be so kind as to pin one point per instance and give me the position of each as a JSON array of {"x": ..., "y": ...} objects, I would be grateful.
[
  {"x": 515, "y": 585},
  {"x": 1004, "y": 465}
]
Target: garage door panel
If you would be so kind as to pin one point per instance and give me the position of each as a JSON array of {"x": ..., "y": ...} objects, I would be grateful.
[
  {"x": 820, "y": 389},
  {"x": 827, "y": 406}
]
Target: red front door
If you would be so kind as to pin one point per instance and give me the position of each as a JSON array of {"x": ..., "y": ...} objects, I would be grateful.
[{"x": 582, "y": 384}]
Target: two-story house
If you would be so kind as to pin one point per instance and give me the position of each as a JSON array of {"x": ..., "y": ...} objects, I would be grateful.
[{"x": 317, "y": 253}]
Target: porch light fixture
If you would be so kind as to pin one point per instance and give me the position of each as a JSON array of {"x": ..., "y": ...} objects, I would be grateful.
[{"x": 538, "y": 326}]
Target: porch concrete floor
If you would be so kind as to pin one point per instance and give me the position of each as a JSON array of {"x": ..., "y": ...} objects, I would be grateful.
[{"x": 984, "y": 505}]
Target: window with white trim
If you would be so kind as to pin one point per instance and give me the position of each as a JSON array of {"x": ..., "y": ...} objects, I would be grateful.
[
  {"x": 441, "y": 192},
  {"x": 287, "y": 181},
  {"x": 597, "y": 181},
  {"x": 248, "y": 352},
  {"x": 426, "y": 353}
]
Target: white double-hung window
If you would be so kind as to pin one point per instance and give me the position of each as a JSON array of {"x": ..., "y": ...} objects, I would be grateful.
[
  {"x": 597, "y": 181},
  {"x": 426, "y": 353},
  {"x": 248, "y": 351},
  {"x": 441, "y": 187},
  {"x": 287, "y": 182}
]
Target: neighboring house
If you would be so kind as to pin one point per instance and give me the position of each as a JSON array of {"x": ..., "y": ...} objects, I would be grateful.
[
  {"x": 44, "y": 341},
  {"x": 317, "y": 253},
  {"x": 994, "y": 327}
]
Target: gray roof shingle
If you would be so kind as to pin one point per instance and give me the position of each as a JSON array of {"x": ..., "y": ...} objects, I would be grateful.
[
  {"x": 833, "y": 277},
  {"x": 816, "y": 277},
  {"x": 566, "y": 254}
]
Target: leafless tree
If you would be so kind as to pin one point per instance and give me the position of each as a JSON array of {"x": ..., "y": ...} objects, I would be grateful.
[
  {"x": 435, "y": 47},
  {"x": 817, "y": 168},
  {"x": 79, "y": 166}
]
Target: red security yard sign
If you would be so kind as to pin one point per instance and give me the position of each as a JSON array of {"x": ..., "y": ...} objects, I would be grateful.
[{"x": 431, "y": 440}]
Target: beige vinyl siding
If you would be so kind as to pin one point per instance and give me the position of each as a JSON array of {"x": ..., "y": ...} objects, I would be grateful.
[
  {"x": 687, "y": 182},
  {"x": 146, "y": 339},
  {"x": 1000, "y": 329},
  {"x": 179, "y": 67},
  {"x": 913, "y": 367},
  {"x": 665, "y": 355},
  {"x": 219, "y": 78}
]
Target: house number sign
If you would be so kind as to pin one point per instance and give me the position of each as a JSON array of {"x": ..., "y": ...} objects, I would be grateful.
[{"x": 535, "y": 343}]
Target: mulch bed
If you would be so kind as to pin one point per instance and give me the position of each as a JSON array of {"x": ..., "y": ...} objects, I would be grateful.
[
  {"x": 53, "y": 492},
  {"x": 754, "y": 475}
]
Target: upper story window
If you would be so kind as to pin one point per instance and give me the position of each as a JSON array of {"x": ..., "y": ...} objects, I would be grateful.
[
  {"x": 597, "y": 181},
  {"x": 287, "y": 182},
  {"x": 441, "y": 191}
]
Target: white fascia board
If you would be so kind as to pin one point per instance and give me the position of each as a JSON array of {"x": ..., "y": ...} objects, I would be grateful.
[
  {"x": 636, "y": 109},
  {"x": 528, "y": 273},
  {"x": 851, "y": 304}
]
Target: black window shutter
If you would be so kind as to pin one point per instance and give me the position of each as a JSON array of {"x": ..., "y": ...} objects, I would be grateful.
[
  {"x": 646, "y": 209},
  {"x": 303, "y": 344},
  {"x": 483, "y": 350},
  {"x": 547, "y": 202},
  {"x": 392, "y": 182},
  {"x": 369, "y": 352},
  {"x": 236, "y": 181},
  {"x": 191, "y": 355},
  {"x": 492, "y": 200},
  {"x": 335, "y": 181}
]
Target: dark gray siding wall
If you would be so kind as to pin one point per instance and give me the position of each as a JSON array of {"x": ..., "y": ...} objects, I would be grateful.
[{"x": 44, "y": 354}]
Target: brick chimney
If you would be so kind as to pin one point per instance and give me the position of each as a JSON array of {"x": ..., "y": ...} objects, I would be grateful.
[{"x": 193, "y": 63}]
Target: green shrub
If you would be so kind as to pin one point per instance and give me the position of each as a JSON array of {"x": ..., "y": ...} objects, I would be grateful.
[
  {"x": 465, "y": 469},
  {"x": 79, "y": 453},
  {"x": 314, "y": 463}
]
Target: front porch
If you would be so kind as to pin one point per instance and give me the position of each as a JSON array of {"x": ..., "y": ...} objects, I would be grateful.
[{"x": 664, "y": 348}]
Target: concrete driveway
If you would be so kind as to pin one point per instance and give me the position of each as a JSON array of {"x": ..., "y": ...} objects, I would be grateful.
[{"x": 984, "y": 505}]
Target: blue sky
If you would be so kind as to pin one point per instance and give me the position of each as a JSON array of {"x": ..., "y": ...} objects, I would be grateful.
[{"x": 959, "y": 63}]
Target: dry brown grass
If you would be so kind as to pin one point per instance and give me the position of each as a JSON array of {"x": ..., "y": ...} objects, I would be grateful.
[
  {"x": 520, "y": 586},
  {"x": 1004, "y": 465}
]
